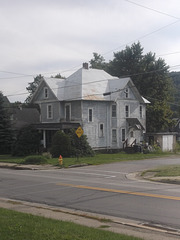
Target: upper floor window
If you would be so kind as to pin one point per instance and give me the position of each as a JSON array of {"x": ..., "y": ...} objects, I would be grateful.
[
  {"x": 126, "y": 91},
  {"x": 68, "y": 112},
  {"x": 101, "y": 130},
  {"x": 90, "y": 115},
  {"x": 127, "y": 111},
  {"x": 45, "y": 92},
  {"x": 49, "y": 111},
  {"x": 141, "y": 111},
  {"x": 114, "y": 110}
]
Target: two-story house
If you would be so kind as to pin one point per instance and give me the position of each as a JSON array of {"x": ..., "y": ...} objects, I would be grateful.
[{"x": 110, "y": 110}]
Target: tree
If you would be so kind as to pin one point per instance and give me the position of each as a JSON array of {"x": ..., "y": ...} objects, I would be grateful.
[
  {"x": 6, "y": 135},
  {"x": 176, "y": 82},
  {"x": 151, "y": 77},
  {"x": 61, "y": 145},
  {"x": 33, "y": 86},
  {"x": 27, "y": 142},
  {"x": 80, "y": 146},
  {"x": 68, "y": 144},
  {"x": 97, "y": 62},
  {"x": 58, "y": 76}
]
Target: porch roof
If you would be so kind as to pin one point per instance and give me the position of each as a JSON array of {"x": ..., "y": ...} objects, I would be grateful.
[{"x": 134, "y": 122}]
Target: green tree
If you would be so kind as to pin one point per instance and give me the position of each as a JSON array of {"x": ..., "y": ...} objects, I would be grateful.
[
  {"x": 58, "y": 76},
  {"x": 97, "y": 62},
  {"x": 33, "y": 86},
  {"x": 27, "y": 142},
  {"x": 6, "y": 135},
  {"x": 61, "y": 145},
  {"x": 175, "y": 76},
  {"x": 151, "y": 77},
  {"x": 80, "y": 146},
  {"x": 68, "y": 144}
]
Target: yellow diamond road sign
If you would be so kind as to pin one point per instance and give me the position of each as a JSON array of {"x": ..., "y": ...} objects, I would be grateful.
[{"x": 79, "y": 132}]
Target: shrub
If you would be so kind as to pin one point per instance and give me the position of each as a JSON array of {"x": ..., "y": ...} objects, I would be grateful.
[
  {"x": 35, "y": 159},
  {"x": 68, "y": 145},
  {"x": 47, "y": 155},
  {"x": 61, "y": 145},
  {"x": 27, "y": 142},
  {"x": 80, "y": 146}
]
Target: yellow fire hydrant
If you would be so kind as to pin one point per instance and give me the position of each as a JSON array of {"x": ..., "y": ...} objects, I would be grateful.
[{"x": 60, "y": 160}]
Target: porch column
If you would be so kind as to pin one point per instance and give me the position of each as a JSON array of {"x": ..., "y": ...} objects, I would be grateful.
[{"x": 44, "y": 138}]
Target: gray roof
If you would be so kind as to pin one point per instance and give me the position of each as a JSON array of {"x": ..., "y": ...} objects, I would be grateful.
[
  {"x": 25, "y": 116},
  {"x": 87, "y": 84},
  {"x": 90, "y": 84}
]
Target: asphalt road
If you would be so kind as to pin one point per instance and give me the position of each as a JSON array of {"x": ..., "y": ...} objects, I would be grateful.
[{"x": 109, "y": 189}]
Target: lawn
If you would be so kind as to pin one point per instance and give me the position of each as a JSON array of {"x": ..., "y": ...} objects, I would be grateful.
[
  {"x": 21, "y": 226},
  {"x": 95, "y": 160},
  {"x": 165, "y": 171}
]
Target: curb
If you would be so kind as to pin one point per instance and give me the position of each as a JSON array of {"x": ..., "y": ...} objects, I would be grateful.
[{"x": 109, "y": 223}]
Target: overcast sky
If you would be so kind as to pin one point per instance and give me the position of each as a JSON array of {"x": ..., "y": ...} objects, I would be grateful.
[{"x": 56, "y": 36}]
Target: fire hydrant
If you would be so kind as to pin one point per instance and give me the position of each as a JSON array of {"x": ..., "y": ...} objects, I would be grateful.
[{"x": 60, "y": 160}]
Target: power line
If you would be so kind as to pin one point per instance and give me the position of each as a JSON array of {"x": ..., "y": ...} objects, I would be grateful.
[
  {"x": 151, "y": 9},
  {"x": 143, "y": 36}
]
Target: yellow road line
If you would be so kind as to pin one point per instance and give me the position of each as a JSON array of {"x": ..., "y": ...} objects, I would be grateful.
[{"x": 120, "y": 191}]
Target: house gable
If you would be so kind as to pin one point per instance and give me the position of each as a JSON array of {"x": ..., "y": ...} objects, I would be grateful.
[{"x": 43, "y": 93}]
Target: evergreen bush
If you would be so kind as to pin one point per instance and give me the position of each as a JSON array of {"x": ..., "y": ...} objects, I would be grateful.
[{"x": 27, "y": 142}]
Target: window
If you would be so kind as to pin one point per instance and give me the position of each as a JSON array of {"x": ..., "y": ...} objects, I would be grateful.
[
  {"x": 114, "y": 135},
  {"x": 90, "y": 115},
  {"x": 114, "y": 110},
  {"x": 140, "y": 111},
  {"x": 45, "y": 92},
  {"x": 123, "y": 135},
  {"x": 132, "y": 134},
  {"x": 49, "y": 111},
  {"x": 127, "y": 111},
  {"x": 101, "y": 130},
  {"x": 126, "y": 92},
  {"x": 68, "y": 112}
]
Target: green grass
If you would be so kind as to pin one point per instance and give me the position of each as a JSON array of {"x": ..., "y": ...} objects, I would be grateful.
[
  {"x": 105, "y": 158},
  {"x": 167, "y": 171},
  {"x": 96, "y": 160},
  {"x": 21, "y": 226}
]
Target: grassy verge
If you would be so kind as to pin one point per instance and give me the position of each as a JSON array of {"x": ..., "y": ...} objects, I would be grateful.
[
  {"x": 97, "y": 159},
  {"x": 165, "y": 171},
  {"x": 21, "y": 226}
]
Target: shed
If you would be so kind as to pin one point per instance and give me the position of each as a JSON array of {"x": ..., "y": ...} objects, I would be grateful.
[{"x": 166, "y": 140}]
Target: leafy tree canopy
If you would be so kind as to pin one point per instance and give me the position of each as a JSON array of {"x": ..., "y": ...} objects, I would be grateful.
[
  {"x": 150, "y": 76},
  {"x": 57, "y": 76},
  {"x": 33, "y": 86},
  {"x": 6, "y": 135},
  {"x": 97, "y": 62}
]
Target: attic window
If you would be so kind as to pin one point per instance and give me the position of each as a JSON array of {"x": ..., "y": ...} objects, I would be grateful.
[
  {"x": 45, "y": 92},
  {"x": 126, "y": 91}
]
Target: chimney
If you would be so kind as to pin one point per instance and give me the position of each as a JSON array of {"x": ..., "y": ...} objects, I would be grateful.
[{"x": 85, "y": 65}]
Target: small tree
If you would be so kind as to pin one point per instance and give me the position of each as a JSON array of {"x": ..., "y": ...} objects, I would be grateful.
[
  {"x": 68, "y": 144},
  {"x": 61, "y": 145},
  {"x": 80, "y": 146},
  {"x": 27, "y": 142}
]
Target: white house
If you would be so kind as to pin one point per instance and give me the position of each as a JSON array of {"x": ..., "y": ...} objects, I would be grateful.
[{"x": 110, "y": 110}]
